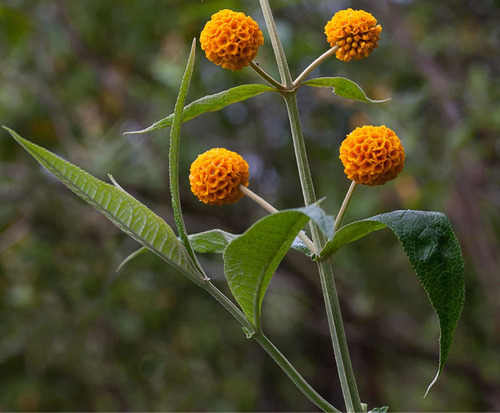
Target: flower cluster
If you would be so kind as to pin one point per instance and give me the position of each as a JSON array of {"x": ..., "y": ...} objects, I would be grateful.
[
  {"x": 355, "y": 32},
  {"x": 231, "y": 39},
  {"x": 215, "y": 176},
  {"x": 372, "y": 155}
]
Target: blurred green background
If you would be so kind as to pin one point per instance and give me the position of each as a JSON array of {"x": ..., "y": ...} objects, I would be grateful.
[{"x": 74, "y": 335}]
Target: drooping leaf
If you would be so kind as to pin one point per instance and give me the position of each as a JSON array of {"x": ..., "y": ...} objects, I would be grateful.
[
  {"x": 211, "y": 103},
  {"x": 214, "y": 241},
  {"x": 251, "y": 259},
  {"x": 173, "y": 156},
  {"x": 123, "y": 210},
  {"x": 434, "y": 253},
  {"x": 130, "y": 257},
  {"x": 343, "y": 87}
]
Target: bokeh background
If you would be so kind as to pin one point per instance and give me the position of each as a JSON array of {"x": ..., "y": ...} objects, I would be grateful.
[{"x": 76, "y": 335}]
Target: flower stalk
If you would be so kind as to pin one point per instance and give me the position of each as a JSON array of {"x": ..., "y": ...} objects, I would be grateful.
[
  {"x": 329, "y": 53},
  {"x": 345, "y": 204}
]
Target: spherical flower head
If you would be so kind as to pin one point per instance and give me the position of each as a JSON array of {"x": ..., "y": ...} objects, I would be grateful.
[
  {"x": 355, "y": 32},
  {"x": 372, "y": 155},
  {"x": 231, "y": 39},
  {"x": 216, "y": 175}
]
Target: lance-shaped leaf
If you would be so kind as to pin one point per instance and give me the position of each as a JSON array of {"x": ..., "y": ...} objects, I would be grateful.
[
  {"x": 211, "y": 103},
  {"x": 343, "y": 87},
  {"x": 251, "y": 259},
  {"x": 434, "y": 253},
  {"x": 123, "y": 210}
]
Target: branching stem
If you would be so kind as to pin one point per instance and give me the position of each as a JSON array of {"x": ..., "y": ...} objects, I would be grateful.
[{"x": 314, "y": 65}]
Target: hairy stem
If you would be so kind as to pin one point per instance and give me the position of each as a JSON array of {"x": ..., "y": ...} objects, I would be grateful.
[
  {"x": 347, "y": 379},
  {"x": 314, "y": 65},
  {"x": 345, "y": 204},
  {"x": 267, "y": 77},
  {"x": 286, "y": 77}
]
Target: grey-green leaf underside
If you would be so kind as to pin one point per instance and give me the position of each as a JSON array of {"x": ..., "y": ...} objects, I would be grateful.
[{"x": 123, "y": 210}]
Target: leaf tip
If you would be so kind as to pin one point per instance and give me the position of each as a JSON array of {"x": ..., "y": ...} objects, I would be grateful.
[{"x": 432, "y": 383}]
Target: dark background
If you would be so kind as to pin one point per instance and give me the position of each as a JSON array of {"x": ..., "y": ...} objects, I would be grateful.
[{"x": 74, "y": 335}]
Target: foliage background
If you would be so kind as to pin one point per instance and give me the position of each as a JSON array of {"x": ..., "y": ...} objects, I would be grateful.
[{"x": 74, "y": 335}]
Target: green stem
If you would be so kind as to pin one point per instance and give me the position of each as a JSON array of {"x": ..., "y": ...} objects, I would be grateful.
[
  {"x": 267, "y": 345},
  {"x": 314, "y": 65},
  {"x": 345, "y": 204},
  {"x": 339, "y": 341},
  {"x": 267, "y": 77},
  {"x": 286, "y": 77},
  {"x": 293, "y": 374},
  {"x": 334, "y": 316}
]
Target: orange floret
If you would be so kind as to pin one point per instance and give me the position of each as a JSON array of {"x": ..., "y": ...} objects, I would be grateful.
[
  {"x": 355, "y": 32},
  {"x": 372, "y": 155},
  {"x": 231, "y": 39},
  {"x": 215, "y": 176}
]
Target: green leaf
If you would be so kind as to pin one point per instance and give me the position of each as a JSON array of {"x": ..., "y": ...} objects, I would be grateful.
[
  {"x": 251, "y": 259},
  {"x": 383, "y": 409},
  {"x": 133, "y": 255},
  {"x": 211, "y": 103},
  {"x": 173, "y": 156},
  {"x": 214, "y": 241},
  {"x": 434, "y": 253},
  {"x": 343, "y": 87},
  {"x": 123, "y": 210}
]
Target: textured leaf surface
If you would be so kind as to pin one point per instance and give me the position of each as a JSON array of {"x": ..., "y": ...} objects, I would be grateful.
[
  {"x": 131, "y": 256},
  {"x": 211, "y": 103},
  {"x": 251, "y": 259},
  {"x": 343, "y": 87},
  {"x": 434, "y": 253},
  {"x": 123, "y": 210},
  {"x": 214, "y": 241}
]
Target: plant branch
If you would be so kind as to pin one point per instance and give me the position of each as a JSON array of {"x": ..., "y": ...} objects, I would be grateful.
[
  {"x": 286, "y": 77},
  {"x": 267, "y": 77},
  {"x": 345, "y": 204},
  {"x": 267, "y": 345},
  {"x": 314, "y": 65}
]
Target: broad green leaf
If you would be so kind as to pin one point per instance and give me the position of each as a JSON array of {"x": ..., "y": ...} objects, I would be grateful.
[
  {"x": 135, "y": 254},
  {"x": 434, "y": 253},
  {"x": 123, "y": 210},
  {"x": 211, "y": 103},
  {"x": 173, "y": 156},
  {"x": 251, "y": 259},
  {"x": 214, "y": 241},
  {"x": 343, "y": 87}
]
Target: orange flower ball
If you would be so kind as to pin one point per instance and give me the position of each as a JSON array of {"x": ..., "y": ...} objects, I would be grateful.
[
  {"x": 372, "y": 155},
  {"x": 231, "y": 39},
  {"x": 355, "y": 32},
  {"x": 215, "y": 176}
]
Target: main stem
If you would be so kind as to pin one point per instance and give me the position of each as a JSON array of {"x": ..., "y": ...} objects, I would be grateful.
[
  {"x": 330, "y": 296},
  {"x": 334, "y": 316}
]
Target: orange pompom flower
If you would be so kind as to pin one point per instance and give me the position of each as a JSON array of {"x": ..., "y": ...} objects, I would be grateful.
[
  {"x": 372, "y": 155},
  {"x": 231, "y": 39},
  {"x": 215, "y": 176},
  {"x": 355, "y": 32}
]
